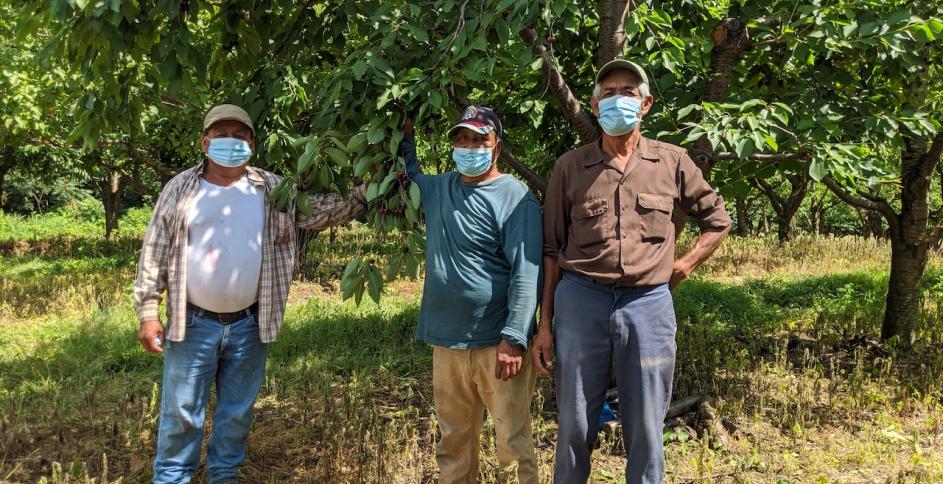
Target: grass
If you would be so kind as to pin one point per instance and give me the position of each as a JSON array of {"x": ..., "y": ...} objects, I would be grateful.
[{"x": 780, "y": 336}]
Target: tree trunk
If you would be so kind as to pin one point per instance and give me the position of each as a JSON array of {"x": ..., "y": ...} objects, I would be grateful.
[
  {"x": 871, "y": 225},
  {"x": 583, "y": 123},
  {"x": 814, "y": 221},
  {"x": 730, "y": 38},
  {"x": 611, "y": 30},
  {"x": 112, "y": 190},
  {"x": 785, "y": 207},
  {"x": 743, "y": 217},
  {"x": 908, "y": 262},
  {"x": 910, "y": 243},
  {"x": 785, "y": 228}
]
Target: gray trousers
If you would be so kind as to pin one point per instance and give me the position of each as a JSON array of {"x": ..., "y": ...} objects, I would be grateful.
[{"x": 594, "y": 325}]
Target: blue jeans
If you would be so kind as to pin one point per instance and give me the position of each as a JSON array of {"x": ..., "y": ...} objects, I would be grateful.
[
  {"x": 233, "y": 357},
  {"x": 635, "y": 327}
]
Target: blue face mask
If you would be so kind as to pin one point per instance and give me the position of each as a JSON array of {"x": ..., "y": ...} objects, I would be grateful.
[
  {"x": 619, "y": 115},
  {"x": 229, "y": 152},
  {"x": 472, "y": 162}
]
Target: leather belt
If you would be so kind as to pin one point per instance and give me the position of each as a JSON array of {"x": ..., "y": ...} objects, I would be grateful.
[{"x": 224, "y": 318}]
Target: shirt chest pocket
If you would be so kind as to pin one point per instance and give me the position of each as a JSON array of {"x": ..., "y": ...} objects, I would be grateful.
[
  {"x": 654, "y": 216},
  {"x": 589, "y": 222}
]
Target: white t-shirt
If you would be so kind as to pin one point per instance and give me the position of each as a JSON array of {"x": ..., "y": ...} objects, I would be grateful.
[{"x": 224, "y": 246}]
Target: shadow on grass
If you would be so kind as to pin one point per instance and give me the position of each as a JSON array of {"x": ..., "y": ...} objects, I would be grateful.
[{"x": 87, "y": 389}]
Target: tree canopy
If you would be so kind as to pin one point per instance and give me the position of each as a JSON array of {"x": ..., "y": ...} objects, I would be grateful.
[{"x": 846, "y": 93}]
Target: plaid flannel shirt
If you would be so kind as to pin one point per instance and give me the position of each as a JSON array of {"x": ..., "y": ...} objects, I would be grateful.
[{"x": 163, "y": 263}]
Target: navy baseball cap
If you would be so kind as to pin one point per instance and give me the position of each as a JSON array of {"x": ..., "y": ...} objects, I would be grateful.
[{"x": 480, "y": 120}]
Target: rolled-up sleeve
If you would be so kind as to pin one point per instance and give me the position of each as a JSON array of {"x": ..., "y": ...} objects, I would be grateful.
[
  {"x": 698, "y": 199},
  {"x": 556, "y": 212},
  {"x": 521, "y": 243},
  {"x": 151, "y": 280}
]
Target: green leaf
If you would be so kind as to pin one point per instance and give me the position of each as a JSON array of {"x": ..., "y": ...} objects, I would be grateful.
[
  {"x": 415, "y": 195},
  {"x": 898, "y": 17},
  {"x": 358, "y": 292},
  {"x": 304, "y": 204},
  {"x": 771, "y": 142},
  {"x": 749, "y": 104},
  {"x": 351, "y": 278},
  {"x": 687, "y": 110},
  {"x": 382, "y": 66},
  {"x": 501, "y": 27},
  {"x": 650, "y": 43},
  {"x": 385, "y": 184},
  {"x": 745, "y": 148},
  {"x": 818, "y": 170},
  {"x": 435, "y": 99},
  {"x": 324, "y": 175},
  {"x": 936, "y": 25},
  {"x": 395, "y": 265},
  {"x": 376, "y": 133},
  {"x": 338, "y": 156},
  {"x": 922, "y": 33},
  {"x": 412, "y": 214},
  {"x": 363, "y": 165},
  {"x": 372, "y": 191},
  {"x": 394, "y": 142},
  {"x": 412, "y": 265},
  {"x": 417, "y": 33},
  {"x": 695, "y": 134},
  {"x": 375, "y": 283},
  {"x": 307, "y": 158},
  {"x": 357, "y": 143}
]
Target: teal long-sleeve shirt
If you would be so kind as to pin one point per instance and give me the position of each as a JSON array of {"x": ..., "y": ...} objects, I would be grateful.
[{"x": 484, "y": 243}]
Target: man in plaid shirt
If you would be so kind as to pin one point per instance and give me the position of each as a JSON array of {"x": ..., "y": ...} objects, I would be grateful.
[{"x": 224, "y": 255}]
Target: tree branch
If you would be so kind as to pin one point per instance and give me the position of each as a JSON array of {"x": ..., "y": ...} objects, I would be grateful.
[
  {"x": 458, "y": 29},
  {"x": 932, "y": 158},
  {"x": 770, "y": 157},
  {"x": 172, "y": 101},
  {"x": 771, "y": 194},
  {"x": 611, "y": 30},
  {"x": 883, "y": 208},
  {"x": 533, "y": 179},
  {"x": 874, "y": 198},
  {"x": 583, "y": 123}
]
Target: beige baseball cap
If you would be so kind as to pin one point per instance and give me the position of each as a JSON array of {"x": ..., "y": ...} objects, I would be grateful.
[
  {"x": 227, "y": 112},
  {"x": 617, "y": 64}
]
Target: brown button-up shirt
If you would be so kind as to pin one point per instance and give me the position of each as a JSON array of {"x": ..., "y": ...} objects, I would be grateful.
[{"x": 615, "y": 226}]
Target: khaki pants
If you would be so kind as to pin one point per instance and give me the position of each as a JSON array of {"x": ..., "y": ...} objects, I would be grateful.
[{"x": 463, "y": 384}]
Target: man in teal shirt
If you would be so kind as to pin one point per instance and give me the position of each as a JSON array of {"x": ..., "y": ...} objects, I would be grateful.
[{"x": 483, "y": 252}]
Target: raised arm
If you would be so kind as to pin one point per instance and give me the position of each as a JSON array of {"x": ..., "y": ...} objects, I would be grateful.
[
  {"x": 522, "y": 244},
  {"x": 407, "y": 149}
]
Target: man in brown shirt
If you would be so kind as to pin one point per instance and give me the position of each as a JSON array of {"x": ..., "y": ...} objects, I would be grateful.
[{"x": 609, "y": 268}]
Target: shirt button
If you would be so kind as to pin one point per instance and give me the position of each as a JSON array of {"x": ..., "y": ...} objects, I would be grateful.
[
  {"x": 625, "y": 236},
  {"x": 625, "y": 262}
]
